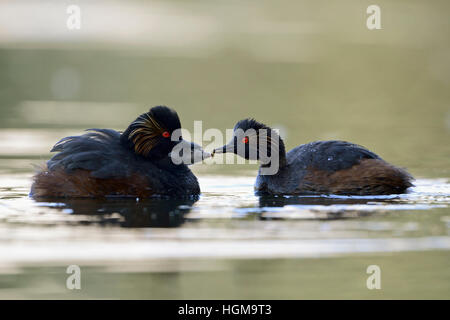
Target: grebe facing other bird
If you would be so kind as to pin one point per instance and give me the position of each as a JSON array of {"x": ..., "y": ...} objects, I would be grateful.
[
  {"x": 135, "y": 163},
  {"x": 320, "y": 167}
]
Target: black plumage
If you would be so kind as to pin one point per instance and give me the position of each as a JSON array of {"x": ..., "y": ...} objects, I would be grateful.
[
  {"x": 320, "y": 167},
  {"x": 105, "y": 162}
]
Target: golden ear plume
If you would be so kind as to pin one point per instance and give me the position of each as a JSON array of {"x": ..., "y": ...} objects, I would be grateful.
[{"x": 146, "y": 134}]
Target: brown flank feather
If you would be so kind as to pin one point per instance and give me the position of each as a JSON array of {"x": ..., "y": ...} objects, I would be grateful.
[
  {"x": 369, "y": 177},
  {"x": 80, "y": 184}
]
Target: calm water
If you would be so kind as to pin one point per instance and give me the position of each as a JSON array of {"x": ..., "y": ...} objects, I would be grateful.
[
  {"x": 312, "y": 70},
  {"x": 228, "y": 243}
]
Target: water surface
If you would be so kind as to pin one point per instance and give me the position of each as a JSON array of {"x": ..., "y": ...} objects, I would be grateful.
[{"x": 226, "y": 232}]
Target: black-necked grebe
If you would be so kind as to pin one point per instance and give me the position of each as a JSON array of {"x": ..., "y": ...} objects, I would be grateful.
[
  {"x": 104, "y": 162},
  {"x": 320, "y": 167}
]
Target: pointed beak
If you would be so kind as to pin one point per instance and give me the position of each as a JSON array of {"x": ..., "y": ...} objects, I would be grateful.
[
  {"x": 198, "y": 153},
  {"x": 189, "y": 152},
  {"x": 226, "y": 148}
]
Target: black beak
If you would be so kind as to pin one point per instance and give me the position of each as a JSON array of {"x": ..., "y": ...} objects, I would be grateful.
[
  {"x": 194, "y": 152},
  {"x": 226, "y": 148}
]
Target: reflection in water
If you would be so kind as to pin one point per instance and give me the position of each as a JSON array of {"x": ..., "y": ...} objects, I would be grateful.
[
  {"x": 280, "y": 201},
  {"x": 227, "y": 236},
  {"x": 317, "y": 207},
  {"x": 129, "y": 213}
]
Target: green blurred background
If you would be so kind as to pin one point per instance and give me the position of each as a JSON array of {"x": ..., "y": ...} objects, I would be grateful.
[{"x": 311, "y": 68}]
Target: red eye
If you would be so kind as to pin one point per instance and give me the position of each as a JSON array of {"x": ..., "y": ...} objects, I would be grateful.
[
  {"x": 166, "y": 134},
  {"x": 245, "y": 140}
]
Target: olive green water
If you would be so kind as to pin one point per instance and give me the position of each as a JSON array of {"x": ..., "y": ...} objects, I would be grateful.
[{"x": 311, "y": 69}]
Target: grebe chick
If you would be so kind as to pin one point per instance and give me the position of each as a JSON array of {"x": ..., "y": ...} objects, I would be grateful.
[{"x": 320, "y": 167}]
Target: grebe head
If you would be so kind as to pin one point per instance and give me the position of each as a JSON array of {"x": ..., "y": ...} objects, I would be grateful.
[
  {"x": 254, "y": 140},
  {"x": 156, "y": 133}
]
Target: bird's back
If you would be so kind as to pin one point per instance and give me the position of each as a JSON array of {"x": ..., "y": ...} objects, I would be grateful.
[
  {"x": 335, "y": 167},
  {"x": 329, "y": 156}
]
